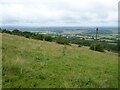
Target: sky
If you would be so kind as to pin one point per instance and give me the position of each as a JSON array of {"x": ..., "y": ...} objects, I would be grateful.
[{"x": 58, "y": 12}]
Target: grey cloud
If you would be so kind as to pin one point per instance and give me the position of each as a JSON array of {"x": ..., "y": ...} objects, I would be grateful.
[{"x": 58, "y": 12}]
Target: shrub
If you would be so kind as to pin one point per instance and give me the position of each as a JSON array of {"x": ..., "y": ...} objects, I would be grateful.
[
  {"x": 17, "y": 32},
  {"x": 81, "y": 42},
  {"x": 38, "y": 36},
  {"x": 48, "y": 38},
  {"x": 6, "y": 31},
  {"x": 26, "y": 34},
  {"x": 79, "y": 45},
  {"x": 97, "y": 47},
  {"x": 62, "y": 40}
]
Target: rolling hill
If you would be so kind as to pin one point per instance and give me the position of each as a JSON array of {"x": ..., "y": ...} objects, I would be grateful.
[{"x": 40, "y": 64}]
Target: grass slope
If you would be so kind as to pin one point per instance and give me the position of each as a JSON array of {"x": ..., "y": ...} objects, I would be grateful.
[{"x": 41, "y": 64}]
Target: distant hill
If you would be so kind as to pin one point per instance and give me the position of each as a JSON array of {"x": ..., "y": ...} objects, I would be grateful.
[{"x": 57, "y": 28}]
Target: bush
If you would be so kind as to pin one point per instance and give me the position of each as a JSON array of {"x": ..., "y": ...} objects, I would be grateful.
[
  {"x": 79, "y": 45},
  {"x": 17, "y": 32},
  {"x": 26, "y": 34},
  {"x": 48, "y": 38},
  {"x": 113, "y": 47},
  {"x": 6, "y": 31},
  {"x": 110, "y": 47},
  {"x": 81, "y": 42},
  {"x": 62, "y": 40},
  {"x": 38, "y": 36},
  {"x": 97, "y": 47}
]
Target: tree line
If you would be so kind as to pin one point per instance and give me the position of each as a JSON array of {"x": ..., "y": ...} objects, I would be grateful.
[
  {"x": 37, "y": 36},
  {"x": 96, "y": 45}
]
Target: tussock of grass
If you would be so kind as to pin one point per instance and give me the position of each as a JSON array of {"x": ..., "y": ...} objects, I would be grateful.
[{"x": 41, "y": 64}]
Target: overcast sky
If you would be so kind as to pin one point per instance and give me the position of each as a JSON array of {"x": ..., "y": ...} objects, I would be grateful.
[{"x": 59, "y": 12}]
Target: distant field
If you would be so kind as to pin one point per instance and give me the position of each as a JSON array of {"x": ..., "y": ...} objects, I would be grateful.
[
  {"x": 73, "y": 31},
  {"x": 108, "y": 35},
  {"x": 40, "y": 64}
]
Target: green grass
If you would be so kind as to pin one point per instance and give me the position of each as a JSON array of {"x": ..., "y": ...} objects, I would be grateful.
[
  {"x": 108, "y": 35},
  {"x": 40, "y": 64}
]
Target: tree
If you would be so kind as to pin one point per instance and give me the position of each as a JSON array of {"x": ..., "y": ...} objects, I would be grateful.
[
  {"x": 27, "y": 34},
  {"x": 97, "y": 47},
  {"x": 62, "y": 40},
  {"x": 6, "y": 31},
  {"x": 17, "y": 32},
  {"x": 48, "y": 38},
  {"x": 39, "y": 36}
]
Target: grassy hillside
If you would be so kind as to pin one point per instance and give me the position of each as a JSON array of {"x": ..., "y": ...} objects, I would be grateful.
[{"x": 34, "y": 63}]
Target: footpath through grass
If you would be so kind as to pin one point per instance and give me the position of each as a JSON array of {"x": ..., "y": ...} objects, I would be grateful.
[{"x": 40, "y": 64}]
